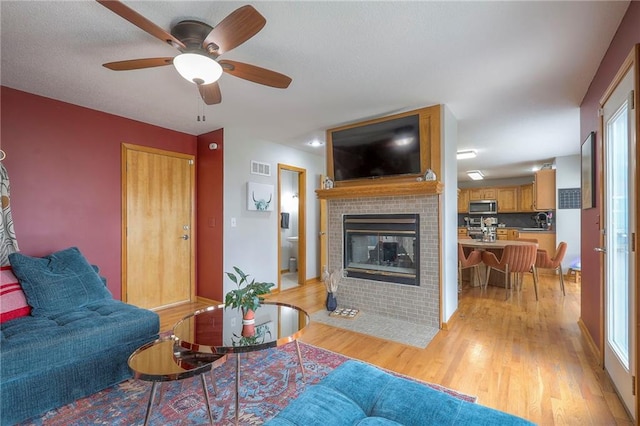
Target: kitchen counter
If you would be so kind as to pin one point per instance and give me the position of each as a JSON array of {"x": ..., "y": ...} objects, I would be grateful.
[{"x": 535, "y": 230}]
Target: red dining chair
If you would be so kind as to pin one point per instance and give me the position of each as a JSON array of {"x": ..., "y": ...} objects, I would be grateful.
[
  {"x": 473, "y": 260},
  {"x": 515, "y": 259},
  {"x": 543, "y": 261}
]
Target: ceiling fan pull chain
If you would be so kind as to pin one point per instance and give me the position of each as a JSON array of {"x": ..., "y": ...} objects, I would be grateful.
[{"x": 198, "y": 107}]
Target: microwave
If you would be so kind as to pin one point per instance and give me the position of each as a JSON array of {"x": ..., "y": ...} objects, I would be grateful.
[{"x": 483, "y": 207}]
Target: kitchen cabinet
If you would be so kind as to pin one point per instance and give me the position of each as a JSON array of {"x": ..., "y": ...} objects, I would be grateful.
[
  {"x": 476, "y": 194},
  {"x": 502, "y": 234},
  {"x": 526, "y": 198},
  {"x": 507, "y": 199},
  {"x": 462, "y": 232},
  {"x": 544, "y": 190},
  {"x": 512, "y": 234},
  {"x": 546, "y": 240},
  {"x": 537, "y": 196},
  {"x": 463, "y": 201}
]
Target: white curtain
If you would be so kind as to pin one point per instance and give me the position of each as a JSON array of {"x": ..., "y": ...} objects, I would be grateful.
[{"x": 8, "y": 242}]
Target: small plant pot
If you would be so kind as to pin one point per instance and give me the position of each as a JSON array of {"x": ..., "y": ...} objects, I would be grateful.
[
  {"x": 248, "y": 315},
  {"x": 248, "y": 330}
]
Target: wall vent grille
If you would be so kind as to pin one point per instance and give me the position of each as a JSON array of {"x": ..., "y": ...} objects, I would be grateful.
[{"x": 259, "y": 168}]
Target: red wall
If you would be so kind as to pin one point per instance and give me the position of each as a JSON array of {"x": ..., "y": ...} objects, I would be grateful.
[
  {"x": 64, "y": 167},
  {"x": 210, "y": 221},
  {"x": 626, "y": 37}
]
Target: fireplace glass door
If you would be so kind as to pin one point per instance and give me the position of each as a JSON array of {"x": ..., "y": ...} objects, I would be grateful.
[{"x": 382, "y": 247}]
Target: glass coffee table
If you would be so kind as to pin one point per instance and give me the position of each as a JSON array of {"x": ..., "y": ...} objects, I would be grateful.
[
  {"x": 219, "y": 331},
  {"x": 164, "y": 360}
]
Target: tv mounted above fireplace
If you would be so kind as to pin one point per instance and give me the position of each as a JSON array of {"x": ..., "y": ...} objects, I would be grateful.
[
  {"x": 387, "y": 148},
  {"x": 392, "y": 148}
]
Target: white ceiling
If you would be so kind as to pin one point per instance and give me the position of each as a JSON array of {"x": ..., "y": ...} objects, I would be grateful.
[{"x": 512, "y": 73}]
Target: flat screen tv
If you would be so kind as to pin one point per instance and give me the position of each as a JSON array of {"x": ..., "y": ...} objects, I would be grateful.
[{"x": 377, "y": 150}]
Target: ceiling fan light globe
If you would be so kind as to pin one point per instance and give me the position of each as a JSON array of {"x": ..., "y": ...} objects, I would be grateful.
[{"x": 197, "y": 68}]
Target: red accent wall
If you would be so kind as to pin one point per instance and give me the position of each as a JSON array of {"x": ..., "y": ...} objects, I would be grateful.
[
  {"x": 626, "y": 37},
  {"x": 64, "y": 167},
  {"x": 210, "y": 221}
]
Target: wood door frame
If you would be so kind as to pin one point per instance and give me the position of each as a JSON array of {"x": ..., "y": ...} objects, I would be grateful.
[
  {"x": 125, "y": 148},
  {"x": 632, "y": 60},
  {"x": 322, "y": 232},
  {"x": 302, "y": 226}
]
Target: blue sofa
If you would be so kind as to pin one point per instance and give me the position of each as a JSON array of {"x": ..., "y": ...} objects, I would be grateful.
[
  {"x": 356, "y": 393},
  {"x": 75, "y": 342}
]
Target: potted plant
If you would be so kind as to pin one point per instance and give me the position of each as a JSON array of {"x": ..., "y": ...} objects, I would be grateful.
[{"x": 247, "y": 296}]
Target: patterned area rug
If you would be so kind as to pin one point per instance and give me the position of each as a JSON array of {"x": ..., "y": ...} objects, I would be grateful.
[{"x": 271, "y": 379}]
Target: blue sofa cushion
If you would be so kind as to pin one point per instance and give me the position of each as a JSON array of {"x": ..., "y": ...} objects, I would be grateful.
[
  {"x": 356, "y": 393},
  {"x": 31, "y": 344},
  {"x": 59, "y": 282}
]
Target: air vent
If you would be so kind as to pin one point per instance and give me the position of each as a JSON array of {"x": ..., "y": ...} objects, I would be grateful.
[{"x": 258, "y": 168}]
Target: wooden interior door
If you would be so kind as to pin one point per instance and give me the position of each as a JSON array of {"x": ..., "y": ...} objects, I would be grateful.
[
  {"x": 323, "y": 230},
  {"x": 158, "y": 249}
]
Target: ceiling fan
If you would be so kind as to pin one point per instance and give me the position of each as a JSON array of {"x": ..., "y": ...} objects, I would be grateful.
[{"x": 200, "y": 45}]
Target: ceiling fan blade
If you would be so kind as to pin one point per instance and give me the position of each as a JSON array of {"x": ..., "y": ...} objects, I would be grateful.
[
  {"x": 210, "y": 93},
  {"x": 256, "y": 74},
  {"x": 141, "y": 22},
  {"x": 136, "y": 64},
  {"x": 235, "y": 29}
]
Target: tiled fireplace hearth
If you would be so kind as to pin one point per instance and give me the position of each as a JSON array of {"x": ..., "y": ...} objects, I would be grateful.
[{"x": 413, "y": 303}]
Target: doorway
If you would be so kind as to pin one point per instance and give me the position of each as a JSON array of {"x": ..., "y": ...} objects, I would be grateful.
[
  {"x": 619, "y": 184},
  {"x": 157, "y": 217},
  {"x": 291, "y": 227}
]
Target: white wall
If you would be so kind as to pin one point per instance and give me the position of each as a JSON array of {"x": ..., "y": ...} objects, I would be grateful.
[
  {"x": 252, "y": 243},
  {"x": 450, "y": 214},
  {"x": 567, "y": 221}
]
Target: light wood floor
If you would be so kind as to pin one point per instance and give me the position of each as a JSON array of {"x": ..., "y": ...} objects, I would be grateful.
[{"x": 526, "y": 358}]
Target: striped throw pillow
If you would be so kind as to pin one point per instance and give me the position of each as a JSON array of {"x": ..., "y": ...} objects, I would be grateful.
[{"x": 13, "y": 304}]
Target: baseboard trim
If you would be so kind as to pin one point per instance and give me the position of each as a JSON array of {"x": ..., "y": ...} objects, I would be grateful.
[
  {"x": 204, "y": 300},
  {"x": 448, "y": 325},
  {"x": 592, "y": 345}
]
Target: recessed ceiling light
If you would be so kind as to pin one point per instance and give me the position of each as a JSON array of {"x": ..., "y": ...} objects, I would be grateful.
[
  {"x": 475, "y": 174},
  {"x": 315, "y": 143},
  {"x": 462, "y": 155}
]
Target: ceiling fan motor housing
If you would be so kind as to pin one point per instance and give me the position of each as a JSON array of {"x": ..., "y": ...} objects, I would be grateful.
[{"x": 192, "y": 34}]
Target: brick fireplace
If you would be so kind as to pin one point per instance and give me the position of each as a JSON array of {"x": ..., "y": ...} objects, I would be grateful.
[{"x": 418, "y": 303}]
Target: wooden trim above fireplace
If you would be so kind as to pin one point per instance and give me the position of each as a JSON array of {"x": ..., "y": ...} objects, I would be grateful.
[{"x": 382, "y": 190}]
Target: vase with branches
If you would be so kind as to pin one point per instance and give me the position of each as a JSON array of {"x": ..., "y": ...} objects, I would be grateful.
[{"x": 331, "y": 281}]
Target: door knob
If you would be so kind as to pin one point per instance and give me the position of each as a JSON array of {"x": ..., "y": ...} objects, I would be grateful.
[
  {"x": 600, "y": 249},
  {"x": 185, "y": 237},
  {"x": 321, "y": 233}
]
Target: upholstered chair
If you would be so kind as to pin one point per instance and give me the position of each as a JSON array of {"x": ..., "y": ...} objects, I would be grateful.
[
  {"x": 473, "y": 260},
  {"x": 545, "y": 262},
  {"x": 515, "y": 259},
  {"x": 527, "y": 240}
]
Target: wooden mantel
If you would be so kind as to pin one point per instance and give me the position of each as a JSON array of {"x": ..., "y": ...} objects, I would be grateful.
[{"x": 382, "y": 190}]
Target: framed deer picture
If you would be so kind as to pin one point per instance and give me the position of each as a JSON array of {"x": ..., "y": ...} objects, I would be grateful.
[{"x": 260, "y": 197}]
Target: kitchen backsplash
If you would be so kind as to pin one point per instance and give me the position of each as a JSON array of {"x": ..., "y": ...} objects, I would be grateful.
[{"x": 511, "y": 220}]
